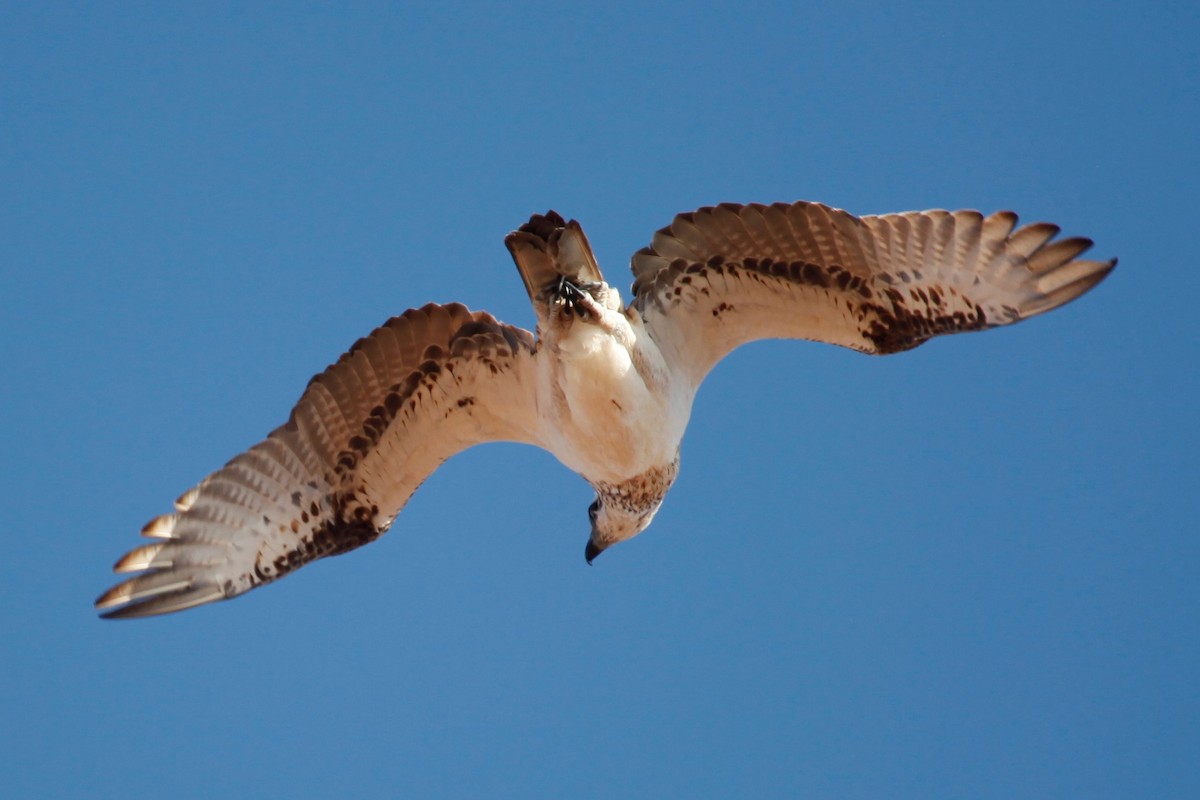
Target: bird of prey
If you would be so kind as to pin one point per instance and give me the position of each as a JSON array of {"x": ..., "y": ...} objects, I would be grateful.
[{"x": 607, "y": 388}]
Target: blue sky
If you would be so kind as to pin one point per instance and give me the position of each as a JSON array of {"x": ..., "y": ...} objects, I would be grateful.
[{"x": 965, "y": 571}]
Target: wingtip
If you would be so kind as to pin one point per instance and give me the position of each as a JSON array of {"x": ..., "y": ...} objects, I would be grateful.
[
  {"x": 161, "y": 527},
  {"x": 120, "y": 602},
  {"x": 142, "y": 558},
  {"x": 109, "y": 598}
]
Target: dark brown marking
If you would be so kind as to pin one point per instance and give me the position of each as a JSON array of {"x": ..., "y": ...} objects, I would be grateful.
[
  {"x": 641, "y": 494},
  {"x": 814, "y": 275},
  {"x": 349, "y": 524},
  {"x": 900, "y": 328}
]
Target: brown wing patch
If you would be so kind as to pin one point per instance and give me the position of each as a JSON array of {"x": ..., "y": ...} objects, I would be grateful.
[
  {"x": 898, "y": 327},
  {"x": 338, "y": 524},
  {"x": 892, "y": 320},
  {"x": 364, "y": 435},
  {"x": 724, "y": 275}
]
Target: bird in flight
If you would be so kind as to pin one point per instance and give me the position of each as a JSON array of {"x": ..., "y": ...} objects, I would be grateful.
[{"x": 607, "y": 388}]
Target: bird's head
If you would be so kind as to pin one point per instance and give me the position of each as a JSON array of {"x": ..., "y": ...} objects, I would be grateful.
[{"x": 613, "y": 523}]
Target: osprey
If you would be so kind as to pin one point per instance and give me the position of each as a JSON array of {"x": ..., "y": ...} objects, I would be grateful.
[{"x": 606, "y": 388}]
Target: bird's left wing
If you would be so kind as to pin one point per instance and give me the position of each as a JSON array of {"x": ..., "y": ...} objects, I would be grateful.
[
  {"x": 722, "y": 276},
  {"x": 364, "y": 435}
]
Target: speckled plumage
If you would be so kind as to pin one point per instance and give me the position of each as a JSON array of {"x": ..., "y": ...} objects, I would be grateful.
[{"x": 607, "y": 389}]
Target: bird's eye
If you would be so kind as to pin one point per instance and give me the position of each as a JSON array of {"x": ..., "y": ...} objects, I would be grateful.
[{"x": 594, "y": 509}]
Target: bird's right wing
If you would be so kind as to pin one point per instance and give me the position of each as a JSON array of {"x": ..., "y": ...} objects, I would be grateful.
[
  {"x": 722, "y": 276},
  {"x": 365, "y": 434}
]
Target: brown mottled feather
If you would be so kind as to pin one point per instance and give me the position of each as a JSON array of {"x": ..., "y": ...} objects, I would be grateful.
[
  {"x": 722, "y": 276},
  {"x": 358, "y": 443}
]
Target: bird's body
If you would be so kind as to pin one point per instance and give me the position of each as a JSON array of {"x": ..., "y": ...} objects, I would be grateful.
[
  {"x": 612, "y": 408},
  {"x": 606, "y": 388},
  {"x": 617, "y": 417}
]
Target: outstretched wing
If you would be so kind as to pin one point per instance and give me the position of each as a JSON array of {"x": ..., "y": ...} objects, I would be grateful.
[
  {"x": 364, "y": 435},
  {"x": 722, "y": 276}
]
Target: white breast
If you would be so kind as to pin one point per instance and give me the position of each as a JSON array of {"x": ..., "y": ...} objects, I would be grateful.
[{"x": 607, "y": 422}]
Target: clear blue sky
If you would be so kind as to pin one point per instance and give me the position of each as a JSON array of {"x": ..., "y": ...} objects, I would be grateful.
[{"x": 965, "y": 571}]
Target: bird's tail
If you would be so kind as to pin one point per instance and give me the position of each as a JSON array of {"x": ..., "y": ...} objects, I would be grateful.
[{"x": 547, "y": 248}]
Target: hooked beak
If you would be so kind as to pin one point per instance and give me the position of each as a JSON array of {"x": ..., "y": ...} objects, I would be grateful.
[{"x": 591, "y": 551}]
